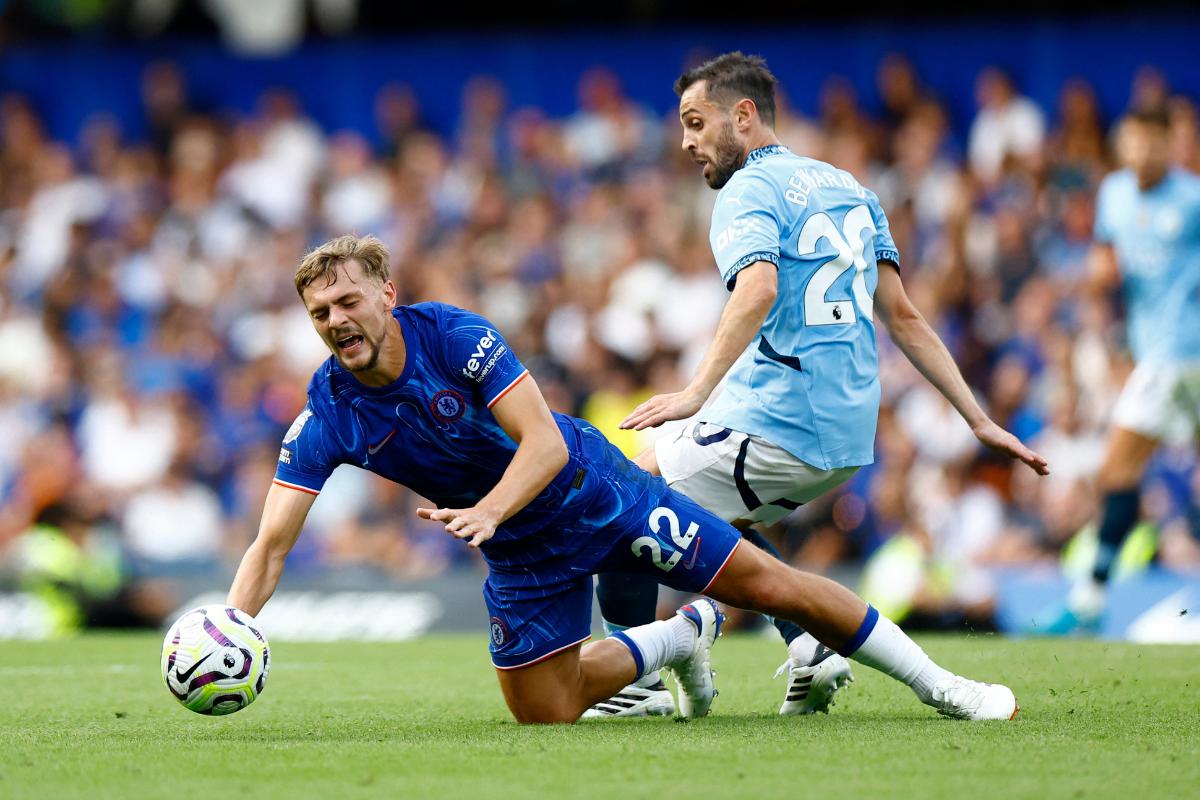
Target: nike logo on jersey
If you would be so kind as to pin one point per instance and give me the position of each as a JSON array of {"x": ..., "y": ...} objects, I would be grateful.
[
  {"x": 691, "y": 562},
  {"x": 373, "y": 449},
  {"x": 182, "y": 677}
]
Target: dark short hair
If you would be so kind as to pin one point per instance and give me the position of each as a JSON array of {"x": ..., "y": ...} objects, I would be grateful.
[
  {"x": 1154, "y": 116},
  {"x": 731, "y": 77}
]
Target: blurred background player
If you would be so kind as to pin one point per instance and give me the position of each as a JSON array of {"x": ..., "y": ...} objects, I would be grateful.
[
  {"x": 807, "y": 255},
  {"x": 1147, "y": 238}
]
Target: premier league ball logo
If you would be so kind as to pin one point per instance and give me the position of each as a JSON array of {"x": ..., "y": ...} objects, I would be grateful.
[{"x": 448, "y": 405}]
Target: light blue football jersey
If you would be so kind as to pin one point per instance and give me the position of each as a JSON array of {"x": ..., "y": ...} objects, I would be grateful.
[
  {"x": 1156, "y": 236},
  {"x": 809, "y": 382}
]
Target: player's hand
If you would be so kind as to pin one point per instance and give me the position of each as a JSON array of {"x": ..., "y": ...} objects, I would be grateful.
[
  {"x": 475, "y": 524},
  {"x": 663, "y": 408},
  {"x": 1000, "y": 440}
]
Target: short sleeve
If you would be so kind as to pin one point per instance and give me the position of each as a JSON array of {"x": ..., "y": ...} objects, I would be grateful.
[
  {"x": 304, "y": 458},
  {"x": 476, "y": 351},
  {"x": 745, "y": 226},
  {"x": 885, "y": 245}
]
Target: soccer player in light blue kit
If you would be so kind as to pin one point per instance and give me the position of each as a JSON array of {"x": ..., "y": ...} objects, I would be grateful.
[
  {"x": 432, "y": 397},
  {"x": 1147, "y": 238},
  {"x": 807, "y": 255}
]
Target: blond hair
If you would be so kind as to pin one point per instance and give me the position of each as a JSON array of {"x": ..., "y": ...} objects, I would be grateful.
[{"x": 324, "y": 260}]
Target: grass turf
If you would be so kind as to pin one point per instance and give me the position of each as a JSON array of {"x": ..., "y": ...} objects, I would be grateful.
[{"x": 91, "y": 718}]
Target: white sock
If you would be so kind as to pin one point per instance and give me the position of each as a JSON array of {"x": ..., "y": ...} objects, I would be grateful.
[
  {"x": 889, "y": 650},
  {"x": 655, "y": 645},
  {"x": 647, "y": 680},
  {"x": 803, "y": 649}
]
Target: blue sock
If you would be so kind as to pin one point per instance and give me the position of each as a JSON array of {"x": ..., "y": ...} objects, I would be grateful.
[
  {"x": 787, "y": 629},
  {"x": 1120, "y": 515}
]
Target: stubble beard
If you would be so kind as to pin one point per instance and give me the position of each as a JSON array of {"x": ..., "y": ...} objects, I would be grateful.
[{"x": 727, "y": 158}]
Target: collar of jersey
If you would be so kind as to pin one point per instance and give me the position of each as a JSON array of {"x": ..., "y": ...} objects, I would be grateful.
[
  {"x": 410, "y": 342},
  {"x": 763, "y": 152}
]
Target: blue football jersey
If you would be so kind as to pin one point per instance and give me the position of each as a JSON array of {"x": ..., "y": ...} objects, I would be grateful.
[
  {"x": 809, "y": 382},
  {"x": 431, "y": 429},
  {"x": 1156, "y": 237}
]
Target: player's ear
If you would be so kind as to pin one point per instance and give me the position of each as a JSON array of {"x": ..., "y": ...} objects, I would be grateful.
[
  {"x": 389, "y": 294},
  {"x": 744, "y": 112}
]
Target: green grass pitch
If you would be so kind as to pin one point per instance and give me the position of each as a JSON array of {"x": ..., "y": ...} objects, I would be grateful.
[{"x": 90, "y": 718}]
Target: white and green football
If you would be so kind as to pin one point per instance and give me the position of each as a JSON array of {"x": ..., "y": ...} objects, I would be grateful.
[{"x": 215, "y": 660}]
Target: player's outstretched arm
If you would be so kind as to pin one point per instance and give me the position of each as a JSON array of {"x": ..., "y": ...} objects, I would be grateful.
[
  {"x": 921, "y": 344},
  {"x": 258, "y": 574},
  {"x": 541, "y": 455},
  {"x": 753, "y": 295}
]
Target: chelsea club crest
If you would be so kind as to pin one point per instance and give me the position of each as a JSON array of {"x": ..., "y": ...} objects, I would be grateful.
[
  {"x": 499, "y": 631},
  {"x": 448, "y": 405}
]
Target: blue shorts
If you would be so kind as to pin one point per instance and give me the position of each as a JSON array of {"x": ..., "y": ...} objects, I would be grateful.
[{"x": 624, "y": 521}]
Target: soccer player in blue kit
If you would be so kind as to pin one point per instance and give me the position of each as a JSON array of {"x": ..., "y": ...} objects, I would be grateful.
[
  {"x": 1147, "y": 240},
  {"x": 432, "y": 397},
  {"x": 790, "y": 384}
]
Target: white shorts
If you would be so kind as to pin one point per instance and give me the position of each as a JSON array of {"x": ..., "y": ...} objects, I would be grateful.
[
  {"x": 739, "y": 476},
  {"x": 1161, "y": 401}
]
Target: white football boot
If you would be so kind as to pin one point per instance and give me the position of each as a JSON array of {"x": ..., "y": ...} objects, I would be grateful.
[
  {"x": 961, "y": 698},
  {"x": 653, "y": 699},
  {"x": 811, "y": 686},
  {"x": 692, "y": 672}
]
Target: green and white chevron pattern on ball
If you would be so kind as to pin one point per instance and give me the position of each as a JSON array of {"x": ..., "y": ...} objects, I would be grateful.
[{"x": 215, "y": 660}]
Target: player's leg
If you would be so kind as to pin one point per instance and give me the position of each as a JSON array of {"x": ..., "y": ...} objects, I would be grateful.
[
  {"x": 845, "y": 622},
  {"x": 561, "y": 686},
  {"x": 627, "y": 600},
  {"x": 748, "y": 480},
  {"x": 1120, "y": 476},
  {"x": 715, "y": 466},
  {"x": 539, "y": 621},
  {"x": 1139, "y": 418}
]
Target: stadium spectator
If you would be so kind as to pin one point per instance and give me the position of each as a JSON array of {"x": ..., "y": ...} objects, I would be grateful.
[{"x": 1007, "y": 125}]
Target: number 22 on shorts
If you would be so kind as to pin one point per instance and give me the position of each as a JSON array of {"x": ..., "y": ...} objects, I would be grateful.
[{"x": 682, "y": 540}]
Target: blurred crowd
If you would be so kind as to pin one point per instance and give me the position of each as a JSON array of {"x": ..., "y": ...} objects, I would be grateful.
[{"x": 153, "y": 351}]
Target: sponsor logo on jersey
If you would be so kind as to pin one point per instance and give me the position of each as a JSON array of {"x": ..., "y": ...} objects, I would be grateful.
[
  {"x": 737, "y": 229},
  {"x": 285, "y": 455},
  {"x": 297, "y": 426},
  {"x": 478, "y": 356},
  {"x": 448, "y": 405},
  {"x": 735, "y": 199}
]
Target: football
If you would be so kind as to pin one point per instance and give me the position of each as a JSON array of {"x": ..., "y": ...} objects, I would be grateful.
[{"x": 215, "y": 660}]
